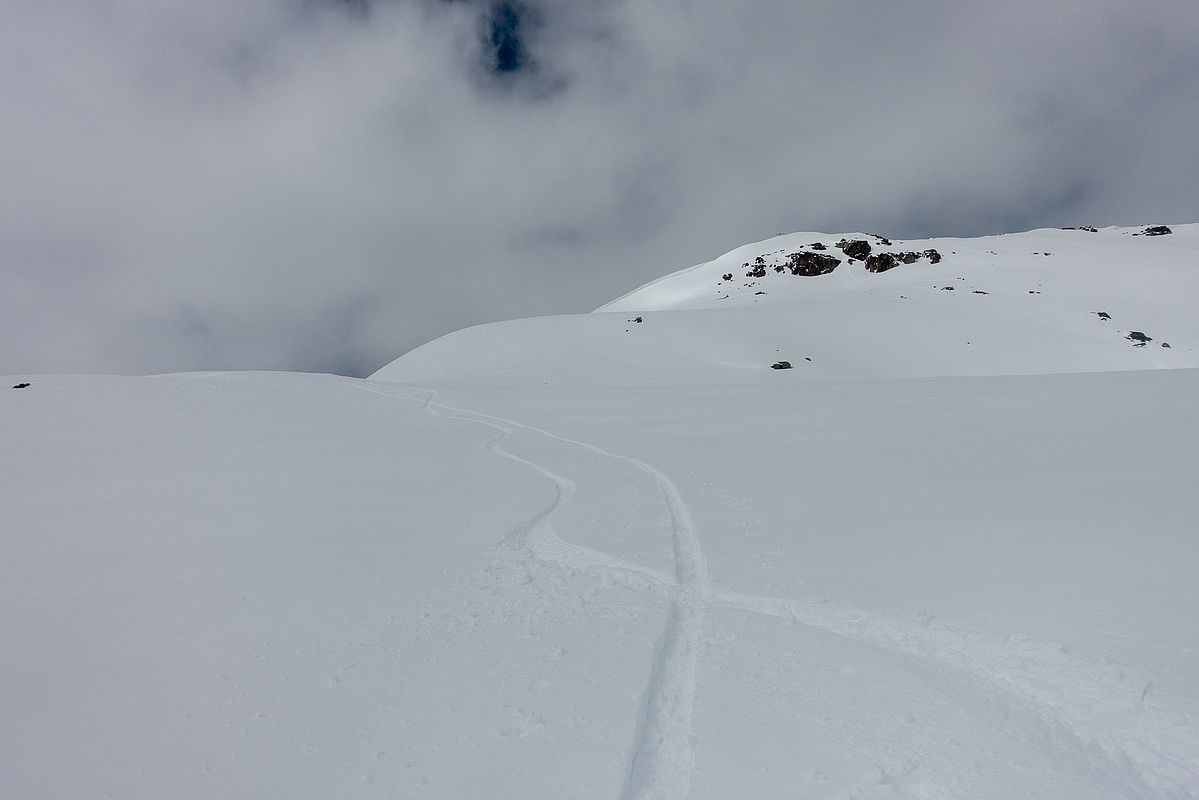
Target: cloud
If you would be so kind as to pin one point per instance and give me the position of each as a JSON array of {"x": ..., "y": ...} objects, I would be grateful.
[{"x": 308, "y": 184}]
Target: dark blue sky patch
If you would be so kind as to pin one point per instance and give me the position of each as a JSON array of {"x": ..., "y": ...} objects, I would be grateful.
[{"x": 507, "y": 30}]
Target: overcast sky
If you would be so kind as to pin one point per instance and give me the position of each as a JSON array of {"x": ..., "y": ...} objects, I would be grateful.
[{"x": 324, "y": 184}]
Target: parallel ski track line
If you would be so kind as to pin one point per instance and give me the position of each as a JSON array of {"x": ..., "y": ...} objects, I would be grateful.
[
  {"x": 663, "y": 751},
  {"x": 1103, "y": 706}
]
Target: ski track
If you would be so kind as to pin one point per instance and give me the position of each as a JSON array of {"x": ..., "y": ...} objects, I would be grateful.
[
  {"x": 663, "y": 752},
  {"x": 1104, "y": 706}
]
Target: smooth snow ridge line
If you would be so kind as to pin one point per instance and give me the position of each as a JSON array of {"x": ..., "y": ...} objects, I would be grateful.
[{"x": 663, "y": 752}]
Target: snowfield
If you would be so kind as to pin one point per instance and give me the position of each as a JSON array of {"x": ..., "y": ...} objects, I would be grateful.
[{"x": 951, "y": 556}]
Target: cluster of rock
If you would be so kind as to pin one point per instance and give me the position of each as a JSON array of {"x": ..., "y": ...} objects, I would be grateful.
[
  {"x": 1086, "y": 228},
  {"x": 758, "y": 270},
  {"x": 881, "y": 262},
  {"x": 856, "y": 248},
  {"x": 810, "y": 262},
  {"x": 1155, "y": 230},
  {"x": 805, "y": 262},
  {"x": 860, "y": 249},
  {"x": 1138, "y": 338}
]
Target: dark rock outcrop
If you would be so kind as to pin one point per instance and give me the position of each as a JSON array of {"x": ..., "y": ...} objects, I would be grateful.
[
  {"x": 881, "y": 262},
  {"x": 933, "y": 256},
  {"x": 781, "y": 365},
  {"x": 858, "y": 248},
  {"x": 811, "y": 264},
  {"x": 1138, "y": 338},
  {"x": 21, "y": 386},
  {"x": 1155, "y": 230}
]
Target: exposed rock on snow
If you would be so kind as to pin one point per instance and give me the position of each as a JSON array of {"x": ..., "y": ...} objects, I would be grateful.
[
  {"x": 881, "y": 262},
  {"x": 811, "y": 264},
  {"x": 856, "y": 248}
]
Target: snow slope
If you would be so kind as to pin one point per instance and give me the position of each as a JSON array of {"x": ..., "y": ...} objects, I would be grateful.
[
  {"x": 853, "y": 324},
  {"x": 552, "y": 559}
]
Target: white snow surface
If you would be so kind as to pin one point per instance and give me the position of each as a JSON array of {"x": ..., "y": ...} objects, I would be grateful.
[
  {"x": 1039, "y": 315},
  {"x": 554, "y": 559}
]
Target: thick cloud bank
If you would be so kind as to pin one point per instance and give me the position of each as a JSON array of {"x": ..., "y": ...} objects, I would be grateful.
[{"x": 293, "y": 184}]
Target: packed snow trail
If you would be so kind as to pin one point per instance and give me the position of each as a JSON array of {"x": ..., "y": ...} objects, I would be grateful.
[
  {"x": 663, "y": 752},
  {"x": 1104, "y": 707}
]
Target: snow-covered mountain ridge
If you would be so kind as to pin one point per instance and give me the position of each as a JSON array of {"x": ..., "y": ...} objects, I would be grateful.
[
  {"x": 617, "y": 556},
  {"x": 1046, "y": 301},
  {"x": 750, "y": 274}
]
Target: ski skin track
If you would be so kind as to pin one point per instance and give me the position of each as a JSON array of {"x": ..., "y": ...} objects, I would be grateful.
[{"x": 663, "y": 753}]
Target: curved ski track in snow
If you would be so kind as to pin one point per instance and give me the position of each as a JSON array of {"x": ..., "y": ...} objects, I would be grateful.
[
  {"x": 663, "y": 753},
  {"x": 1104, "y": 706}
]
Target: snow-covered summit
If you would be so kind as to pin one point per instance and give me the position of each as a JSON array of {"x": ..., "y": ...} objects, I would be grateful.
[
  {"x": 1045, "y": 301},
  {"x": 1078, "y": 259}
]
